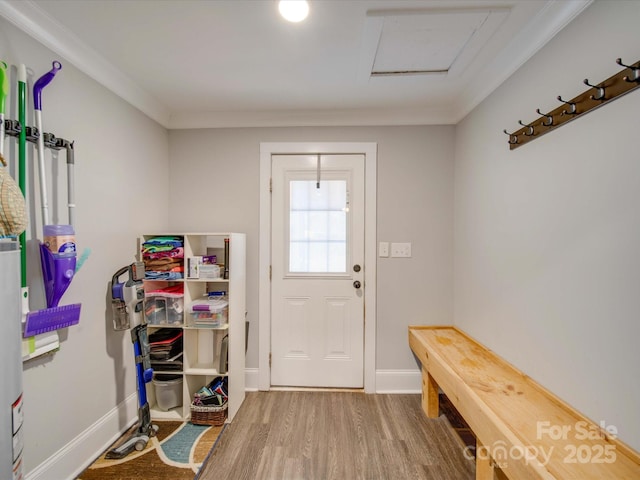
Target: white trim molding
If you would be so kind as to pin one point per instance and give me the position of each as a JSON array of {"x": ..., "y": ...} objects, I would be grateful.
[
  {"x": 94, "y": 440},
  {"x": 33, "y": 21},
  {"x": 251, "y": 379},
  {"x": 553, "y": 17},
  {"x": 72, "y": 459},
  {"x": 398, "y": 381},
  {"x": 370, "y": 151}
]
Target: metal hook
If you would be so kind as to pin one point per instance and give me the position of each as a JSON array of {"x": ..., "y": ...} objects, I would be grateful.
[
  {"x": 572, "y": 107},
  {"x": 600, "y": 95},
  {"x": 548, "y": 118},
  {"x": 513, "y": 139},
  {"x": 529, "y": 127},
  {"x": 635, "y": 71}
]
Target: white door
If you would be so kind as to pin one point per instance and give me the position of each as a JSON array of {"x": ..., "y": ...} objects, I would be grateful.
[{"x": 317, "y": 318}]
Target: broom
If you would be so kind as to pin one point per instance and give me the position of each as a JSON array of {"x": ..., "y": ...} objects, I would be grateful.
[{"x": 13, "y": 211}]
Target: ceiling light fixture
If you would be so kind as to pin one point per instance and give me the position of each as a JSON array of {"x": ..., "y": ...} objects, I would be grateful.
[{"x": 294, "y": 10}]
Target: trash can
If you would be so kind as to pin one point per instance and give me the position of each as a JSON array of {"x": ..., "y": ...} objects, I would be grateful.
[{"x": 168, "y": 391}]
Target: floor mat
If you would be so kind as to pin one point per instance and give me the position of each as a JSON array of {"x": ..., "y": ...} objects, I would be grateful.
[{"x": 176, "y": 452}]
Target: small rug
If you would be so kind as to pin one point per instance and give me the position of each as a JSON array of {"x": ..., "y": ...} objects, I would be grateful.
[{"x": 176, "y": 452}]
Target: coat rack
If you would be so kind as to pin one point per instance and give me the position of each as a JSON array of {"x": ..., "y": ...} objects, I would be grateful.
[{"x": 599, "y": 94}]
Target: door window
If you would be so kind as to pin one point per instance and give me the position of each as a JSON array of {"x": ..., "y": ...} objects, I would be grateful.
[{"x": 318, "y": 219}]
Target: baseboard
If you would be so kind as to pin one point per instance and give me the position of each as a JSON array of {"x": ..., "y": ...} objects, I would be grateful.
[
  {"x": 251, "y": 379},
  {"x": 398, "y": 381},
  {"x": 88, "y": 445},
  {"x": 387, "y": 381},
  {"x": 95, "y": 439}
]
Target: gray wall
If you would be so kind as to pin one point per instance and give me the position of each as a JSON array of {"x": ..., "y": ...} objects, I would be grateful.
[
  {"x": 126, "y": 184},
  {"x": 214, "y": 187},
  {"x": 121, "y": 190},
  {"x": 546, "y": 236}
]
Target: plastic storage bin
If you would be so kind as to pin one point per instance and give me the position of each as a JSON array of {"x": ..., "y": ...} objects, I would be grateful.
[
  {"x": 165, "y": 306},
  {"x": 212, "y": 311},
  {"x": 210, "y": 271},
  {"x": 168, "y": 391}
]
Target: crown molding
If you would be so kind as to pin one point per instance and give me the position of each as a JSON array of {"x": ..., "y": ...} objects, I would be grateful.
[
  {"x": 555, "y": 15},
  {"x": 26, "y": 15},
  {"x": 312, "y": 118}
]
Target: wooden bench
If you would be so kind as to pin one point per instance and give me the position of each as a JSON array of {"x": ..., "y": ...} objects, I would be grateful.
[{"x": 520, "y": 427}]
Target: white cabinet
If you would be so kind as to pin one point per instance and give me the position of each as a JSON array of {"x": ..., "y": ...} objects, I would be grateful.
[{"x": 202, "y": 344}]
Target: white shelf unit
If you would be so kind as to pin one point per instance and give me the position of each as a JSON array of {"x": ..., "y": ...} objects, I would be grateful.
[{"x": 201, "y": 345}]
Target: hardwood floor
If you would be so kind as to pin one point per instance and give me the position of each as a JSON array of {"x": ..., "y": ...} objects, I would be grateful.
[{"x": 288, "y": 435}]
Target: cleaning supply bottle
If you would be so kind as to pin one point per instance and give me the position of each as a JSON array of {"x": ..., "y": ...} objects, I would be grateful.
[
  {"x": 60, "y": 240},
  {"x": 58, "y": 255}
]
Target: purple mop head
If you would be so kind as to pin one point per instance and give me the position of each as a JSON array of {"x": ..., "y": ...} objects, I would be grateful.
[{"x": 57, "y": 272}]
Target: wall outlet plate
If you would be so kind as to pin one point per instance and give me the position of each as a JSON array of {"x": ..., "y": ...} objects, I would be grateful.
[{"x": 401, "y": 250}]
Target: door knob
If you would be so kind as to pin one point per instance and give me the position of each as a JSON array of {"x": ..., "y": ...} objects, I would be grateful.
[
  {"x": 357, "y": 284},
  {"x": 356, "y": 268}
]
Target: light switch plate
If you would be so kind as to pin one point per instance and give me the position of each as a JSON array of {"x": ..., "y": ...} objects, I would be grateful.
[
  {"x": 383, "y": 250},
  {"x": 401, "y": 250}
]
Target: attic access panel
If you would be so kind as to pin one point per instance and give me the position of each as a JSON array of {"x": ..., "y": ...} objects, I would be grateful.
[{"x": 428, "y": 41}]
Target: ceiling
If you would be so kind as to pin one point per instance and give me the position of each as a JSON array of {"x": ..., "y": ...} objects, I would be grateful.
[{"x": 217, "y": 63}]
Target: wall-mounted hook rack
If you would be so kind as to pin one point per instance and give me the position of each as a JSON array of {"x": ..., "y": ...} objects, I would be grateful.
[
  {"x": 597, "y": 95},
  {"x": 635, "y": 71},
  {"x": 529, "y": 131},
  {"x": 599, "y": 89},
  {"x": 512, "y": 138},
  {"x": 548, "y": 119},
  {"x": 572, "y": 107},
  {"x": 13, "y": 129}
]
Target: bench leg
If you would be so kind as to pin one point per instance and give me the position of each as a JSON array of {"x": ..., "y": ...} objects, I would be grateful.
[
  {"x": 430, "y": 399},
  {"x": 484, "y": 464}
]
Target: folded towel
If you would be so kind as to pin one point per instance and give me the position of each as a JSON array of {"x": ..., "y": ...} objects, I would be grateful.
[
  {"x": 173, "y": 253},
  {"x": 161, "y": 244},
  {"x": 152, "y": 275},
  {"x": 162, "y": 263}
]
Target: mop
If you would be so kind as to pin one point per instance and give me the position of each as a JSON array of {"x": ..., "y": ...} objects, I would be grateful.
[
  {"x": 58, "y": 253},
  {"x": 57, "y": 268},
  {"x": 42, "y": 82}
]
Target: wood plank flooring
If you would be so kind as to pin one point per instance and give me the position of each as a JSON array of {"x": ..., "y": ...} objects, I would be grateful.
[{"x": 289, "y": 435}]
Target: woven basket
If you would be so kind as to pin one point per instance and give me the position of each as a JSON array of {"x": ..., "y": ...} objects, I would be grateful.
[{"x": 206, "y": 415}]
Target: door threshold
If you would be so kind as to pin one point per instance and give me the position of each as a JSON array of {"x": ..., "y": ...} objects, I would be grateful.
[{"x": 315, "y": 389}]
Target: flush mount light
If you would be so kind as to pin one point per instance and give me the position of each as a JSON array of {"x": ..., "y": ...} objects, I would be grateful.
[{"x": 294, "y": 10}]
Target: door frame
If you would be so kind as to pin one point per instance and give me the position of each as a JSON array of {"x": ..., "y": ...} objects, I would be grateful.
[{"x": 369, "y": 150}]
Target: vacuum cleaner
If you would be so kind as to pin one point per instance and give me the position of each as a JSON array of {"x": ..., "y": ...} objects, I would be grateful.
[{"x": 126, "y": 302}]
